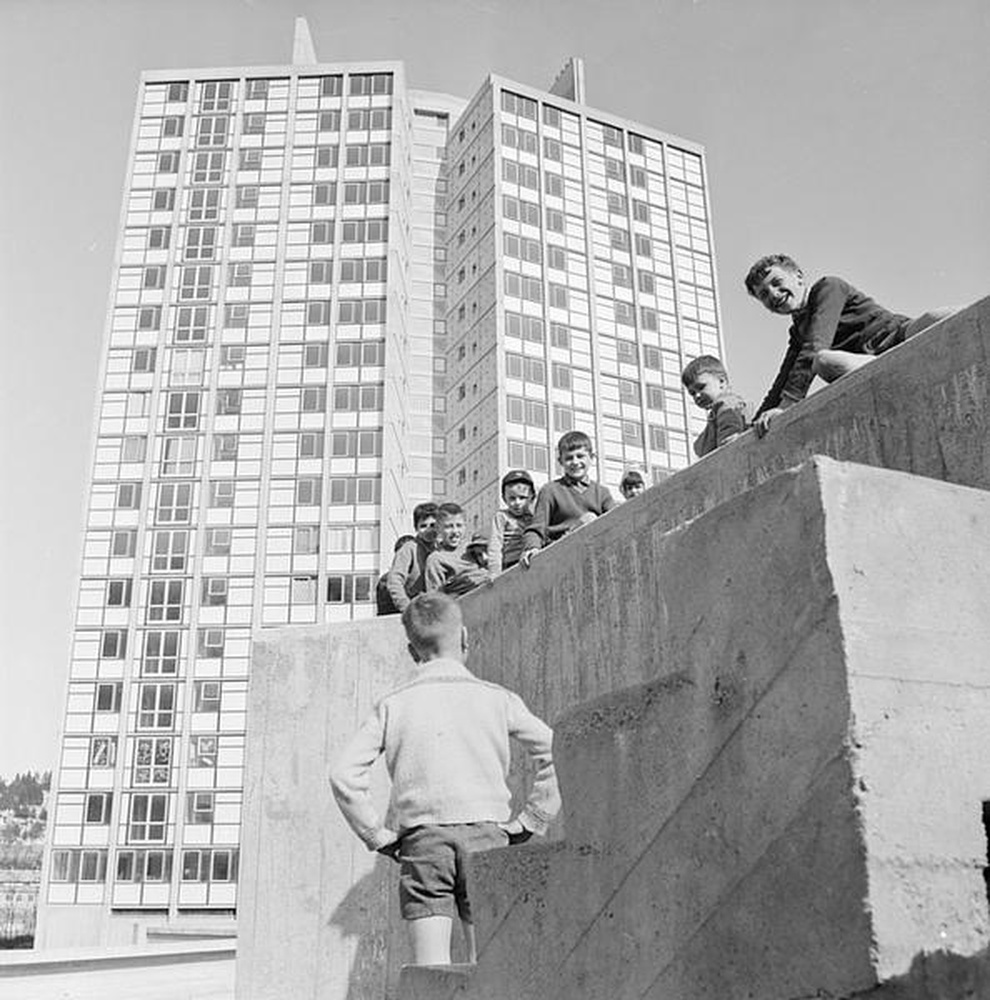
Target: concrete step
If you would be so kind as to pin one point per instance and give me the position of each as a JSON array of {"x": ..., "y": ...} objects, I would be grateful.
[{"x": 434, "y": 982}]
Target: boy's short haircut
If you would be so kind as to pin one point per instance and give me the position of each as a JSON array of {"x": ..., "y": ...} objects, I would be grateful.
[
  {"x": 632, "y": 476},
  {"x": 430, "y": 618},
  {"x": 703, "y": 365},
  {"x": 514, "y": 476},
  {"x": 573, "y": 440},
  {"x": 762, "y": 268},
  {"x": 449, "y": 509},
  {"x": 422, "y": 511}
]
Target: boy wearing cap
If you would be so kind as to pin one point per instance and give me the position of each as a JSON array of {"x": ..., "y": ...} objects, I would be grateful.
[
  {"x": 510, "y": 523},
  {"x": 632, "y": 484}
]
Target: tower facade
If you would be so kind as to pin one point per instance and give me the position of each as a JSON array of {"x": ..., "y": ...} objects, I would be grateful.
[
  {"x": 581, "y": 279},
  {"x": 334, "y": 297},
  {"x": 266, "y": 422}
]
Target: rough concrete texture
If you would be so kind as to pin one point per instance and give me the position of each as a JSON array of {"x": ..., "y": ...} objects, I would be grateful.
[
  {"x": 737, "y": 822},
  {"x": 789, "y": 804},
  {"x": 315, "y": 906}
]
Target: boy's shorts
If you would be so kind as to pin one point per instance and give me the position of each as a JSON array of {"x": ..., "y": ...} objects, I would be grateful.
[{"x": 432, "y": 876}]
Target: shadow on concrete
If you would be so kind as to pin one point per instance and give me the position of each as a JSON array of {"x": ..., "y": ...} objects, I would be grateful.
[{"x": 937, "y": 975}]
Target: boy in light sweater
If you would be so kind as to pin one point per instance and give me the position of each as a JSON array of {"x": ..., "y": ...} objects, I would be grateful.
[{"x": 444, "y": 736}]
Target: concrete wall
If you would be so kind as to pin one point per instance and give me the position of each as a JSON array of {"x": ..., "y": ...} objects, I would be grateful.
[
  {"x": 795, "y": 810},
  {"x": 736, "y": 696}
]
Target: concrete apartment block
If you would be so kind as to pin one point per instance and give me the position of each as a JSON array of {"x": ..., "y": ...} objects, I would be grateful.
[{"x": 772, "y": 734}]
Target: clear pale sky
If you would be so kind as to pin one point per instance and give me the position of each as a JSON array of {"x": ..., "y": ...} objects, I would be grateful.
[{"x": 852, "y": 134}]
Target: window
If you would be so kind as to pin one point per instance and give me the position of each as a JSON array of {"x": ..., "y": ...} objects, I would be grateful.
[
  {"x": 144, "y": 866},
  {"x": 318, "y": 313},
  {"x": 641, "y": 210},
  {"x": 214, "y": 591},
  {"x": 555, "y": 220},
  {"x": 644, "y": 246},
  {"x": 557, "y": 295},
  {"x": 561, "y": 376},
  {"x": 331, "y": 86},
  {"x": 247, "y": 196},
  {"x": 658, "y": 438},
  {"x": 309, "y": 491},
  {"x": 212, "y": 131},
  {"x": 165, "y": 601},
  {"x": 310, "y": 444},
  {"x": 209, "y": 643},
  {"x": 133, "y": 448},
  {"x": 79, "y": 866},
  {"x": 306, "y": 540},
  {"x": 350, "y": 489},
  {"x": 206, "y": 696},
  {"x": 208, "y": 168},
  {"x": 183, "y": 411},
  {"x": 163, "y": 199},
  {"x": 149, "y": 317},
  {"x": 218, "y": 542},
  {"x": 119, "y": 593},
  {"x": 204, "y": 204},
  {"x": 563, "y": 418},
  {"x": 250, "y": 159},
  {"x": 113, "y": 644},
  {"x": 618, "y": 238},
  {"x": 323, "y": 232},
  {"x": 159, "y": 238},
  {"x": 107, "y": 697},
  {"x": 326, "y": 156},
  {"x": 315, "y": 355},
  {"x": 170, "y": 551},
  {"x": 154, "y": 277},
  {"x": 647, "y": 283},
  {"x": 224, "y": 447},
  {"x": 177, "y": 92},
  {"x": 228, "y": 401},
  {"x": 128, "y": 496},
  {"x": 654, "y": 397},
  {"x": 196, "y": 280},
  {"x": 637, "y": 177},
  {"x": 626, "y": 351},
  {"x": 314, "y": 399},
  {"x": 161, "y": 653},
  {"x": 190, "y": 324},
  {"x": 97, "y": 808},
  {"x": 376, "y": 119},
  {"x": 232, "y": 356},
  {"x": 179, "y": 456},
  {"x": 236, "y": 316},
  {"x": 103, "y": 751},
  {"x": 216, "y": 865},
  {"x": 324, "y": 194},
  {"x": 329, "y": 121},
  {"x": 370, "y": 83},
  {"x": 254, "y": 124},
  {"x": 529, "y": 369},
  {"x": 632, "y": 432},
  {"x": 526, "y": 411},
  {"x": 174, "y": 503},
  {"x": 303, "y": 590},
  {"x": 203, "y": 751},
  {"x": 148, "y": 814},
  {"x": 201, "y": 244},
  {"x": 554, "y": 184},
  {"x": 156, "y": 707},
  {"x": 143, "y": 359},
  {"x": 222, "y": 492},
  {"x": 243, "y": 234},
  {"x": 321, "y": 272},
  {"x": 152, "y": 760},
  {"x": 524, "y": 327},
  {"x": 199, "y": 807}
]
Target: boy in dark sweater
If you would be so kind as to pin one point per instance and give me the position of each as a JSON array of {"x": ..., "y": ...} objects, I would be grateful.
[
  {"x": 707, "y": 382},
  {"x": 566, "y": 503},
  {"x": 448, "y": 559},
  {"x": 406, "y": 577},
  {"x": 835, "y": 329}
]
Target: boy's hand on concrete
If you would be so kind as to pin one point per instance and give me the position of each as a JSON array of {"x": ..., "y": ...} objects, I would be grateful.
[
  {"x": 587, "y": 517},
  {"x": 762, "y": 423},
  {"x": 526, "y": 558},
  {"x": 518, "y": 834}
]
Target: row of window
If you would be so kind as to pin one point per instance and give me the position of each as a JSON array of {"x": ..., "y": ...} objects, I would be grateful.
[
  {"x": 174, "y": 504},
  {"x": 201, "y": 865}
]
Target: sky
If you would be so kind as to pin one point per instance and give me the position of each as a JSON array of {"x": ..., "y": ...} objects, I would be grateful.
[{"x": 852, "y": 134}]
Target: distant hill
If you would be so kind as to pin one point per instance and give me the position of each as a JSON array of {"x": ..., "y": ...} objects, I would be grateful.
[{"x": 23, "y": 817}]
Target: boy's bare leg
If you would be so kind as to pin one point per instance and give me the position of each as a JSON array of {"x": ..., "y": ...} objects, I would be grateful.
[
  {"x": 830, "y": 364},
  {"x": 431, "y": 940},
  {"x": 470, "y": 941},
  {"x": 926, "y": 320}
]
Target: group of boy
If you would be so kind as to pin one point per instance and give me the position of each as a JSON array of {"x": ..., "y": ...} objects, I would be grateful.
[{"x": 445, "y": 733}]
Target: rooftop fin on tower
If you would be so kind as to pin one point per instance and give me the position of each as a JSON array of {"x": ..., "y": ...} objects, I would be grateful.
[
  {"x": 569, "y": 81},
  {"x": 303, "y": 51}
]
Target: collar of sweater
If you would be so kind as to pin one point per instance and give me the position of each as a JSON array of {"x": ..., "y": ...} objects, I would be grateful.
[{"x": 441, "y": 667}]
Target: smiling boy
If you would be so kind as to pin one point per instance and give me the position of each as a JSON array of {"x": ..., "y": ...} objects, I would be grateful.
[
  {"x": 835, "y": 329},
  {"x": 568, "y": 502},
  {"x": 448, "y": 559},
  {"x": 707, "y": 382}
]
